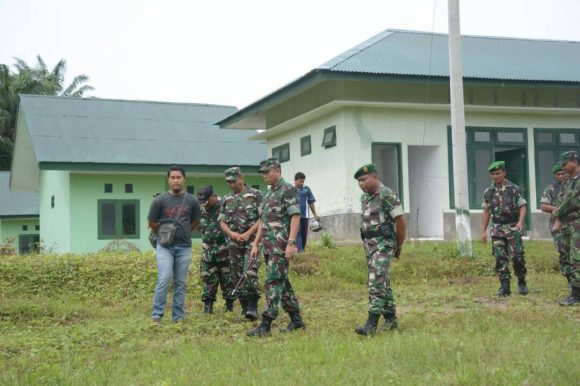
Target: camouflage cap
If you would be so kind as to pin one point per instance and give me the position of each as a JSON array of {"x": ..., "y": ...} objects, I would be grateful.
[
  {"x": 566, "y": 156},
  {"x": 496, "y": 165},
  {"x": 232, "y": 174},
  {"x": 204, "y": 193},
  {"x": 365, "y": 169},
  {"x": 557, "y": 168},
  {"x": 268, "y": 164}
]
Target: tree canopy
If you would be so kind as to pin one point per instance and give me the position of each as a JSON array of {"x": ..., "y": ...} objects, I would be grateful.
[{"x": 37, "y": 80}]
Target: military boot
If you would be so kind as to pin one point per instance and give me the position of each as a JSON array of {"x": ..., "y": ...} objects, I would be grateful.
[
  {"x": 208, "y": 308},
  {"x": 370, "y": 327},
  {"x": 573, "y": 299},
  {"x": 263, "y": 329},
  {"x": 244, "y": 304},
  {"x": 229, "y": 305},
  {"x": 296, "y": 323},
  {"x": 252, "y": 310},
  {"x": 390, "y": 322},
  {"x": 522, "y": 286},
  {"x": 505, "y": 289}
]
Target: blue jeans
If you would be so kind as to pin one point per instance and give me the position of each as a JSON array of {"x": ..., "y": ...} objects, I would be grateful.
[{"x": 171, "y": 262}]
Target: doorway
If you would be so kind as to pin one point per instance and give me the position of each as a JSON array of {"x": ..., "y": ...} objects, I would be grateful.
[{"x": 425, "y": 192}]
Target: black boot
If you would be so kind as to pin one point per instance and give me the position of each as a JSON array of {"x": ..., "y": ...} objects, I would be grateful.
[
  {"x": 573, "y": 299},
  {"x": 505, "y": 289},
  {"x": 522, "y": 286},
  {"x": 296, "y": 323},
  {"x": 229, "y": 305},
  {"x": 390, "y": 322},
  {"x": 370, "y": 327},
  {"x": 208, "y": 308},
  {"x": 244, "y": 304},
  {"x": 263, "y": 329},
  {"x": 252, "y": 311}
]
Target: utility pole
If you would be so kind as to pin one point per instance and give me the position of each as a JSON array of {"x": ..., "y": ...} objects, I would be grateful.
[{"x": 462, "y": 224}]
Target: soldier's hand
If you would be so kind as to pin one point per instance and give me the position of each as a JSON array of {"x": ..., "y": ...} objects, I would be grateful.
[
  {"x": 290, "y": 251},
  {"x": 557, "y": 225},
  {"x": 484, "y": 237},
  {"x": 235, "y": 236},
  {"x": 254, "y": 251},
  {"x": 243, "y": 238}
]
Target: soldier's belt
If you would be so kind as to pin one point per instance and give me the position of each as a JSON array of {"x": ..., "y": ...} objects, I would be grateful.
[
  {"x": 218, "y": 240},
  {"x": 504, "y": 222},
  {"x": 372, "y": 234}
]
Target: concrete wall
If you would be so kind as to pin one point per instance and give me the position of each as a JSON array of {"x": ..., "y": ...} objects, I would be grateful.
[
  {"x": 55, "y": 221},
  {"x": 329, "y": 172}
]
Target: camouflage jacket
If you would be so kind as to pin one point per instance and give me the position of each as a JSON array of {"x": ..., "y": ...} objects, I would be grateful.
[
  {"x": 568, "y": 201},
  {"x": 549, "y": 197},
  {"x": 503, "y": 203},
  {"x": 209, "y": 226},
  {"x": 240, "y": 211},
  {"x": 378, "y": 213},
  {"x": 279, "y": 205}
]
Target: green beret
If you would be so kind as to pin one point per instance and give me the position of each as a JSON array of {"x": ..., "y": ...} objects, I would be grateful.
[
  {"x": 232, "y": 174},
  {"x": 365, "y": 169},
  {"x": 557, "y": 168},
  {"x": 566, "y": 156},
  {"x": 497, "y": 165},
  {"x": 268, "y": 164}
]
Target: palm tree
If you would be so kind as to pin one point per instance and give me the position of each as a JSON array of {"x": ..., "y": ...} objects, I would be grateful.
[{"x": 38, "y": 80}]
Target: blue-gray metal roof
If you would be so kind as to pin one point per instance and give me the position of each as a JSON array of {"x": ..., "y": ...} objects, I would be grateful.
[
  {"x": 79, "y": 130},
  {"x": 16, "y": 204},
  {"x": 413, "y": 53}
]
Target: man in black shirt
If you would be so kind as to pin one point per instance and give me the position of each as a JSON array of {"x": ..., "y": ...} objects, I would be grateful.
[{"x": 183, "y": 211}]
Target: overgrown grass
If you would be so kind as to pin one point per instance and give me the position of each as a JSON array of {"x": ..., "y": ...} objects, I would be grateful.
[{"x": 69, "y": 320}]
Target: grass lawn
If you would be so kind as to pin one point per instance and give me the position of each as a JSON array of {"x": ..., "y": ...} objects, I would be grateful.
[{"x": 84, "y": 320}]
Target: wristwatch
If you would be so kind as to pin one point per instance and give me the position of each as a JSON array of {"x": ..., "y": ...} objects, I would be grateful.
[{"x": 291, "y": 241}]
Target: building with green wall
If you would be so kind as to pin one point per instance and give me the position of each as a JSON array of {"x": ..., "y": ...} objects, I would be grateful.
[
  {"x": 387, "y": 101},
  {"x": 95, "y": 164},
  {"x": 19, "y": 225}
]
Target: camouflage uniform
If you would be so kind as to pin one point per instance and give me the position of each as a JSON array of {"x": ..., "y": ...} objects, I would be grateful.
[
  {"x": 568, "y": 211},
  {"x": 504, "y": 203},
  {"x": 280, "y": 204},
  {"x": 215, "y": 263},
  {"x": 240, "y": 212},
  {"x": 378, "y": 232},
  {"x": 549, "y": 197}
]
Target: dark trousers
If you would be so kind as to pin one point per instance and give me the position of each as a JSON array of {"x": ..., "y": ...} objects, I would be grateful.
[{"x": 302, "y": 234}]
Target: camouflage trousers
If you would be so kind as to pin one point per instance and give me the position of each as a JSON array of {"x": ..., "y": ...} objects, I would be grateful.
[
  {"x": 565, "y": 266},
  {"x": 508, "y": 245},
  {"x": 240, "y": 258},
  {"x": 381, "y": 300},
  {"x": 571, "y": 243},
  {"x": 215, "y": 271},
  {"x": 278, "y": 287}
]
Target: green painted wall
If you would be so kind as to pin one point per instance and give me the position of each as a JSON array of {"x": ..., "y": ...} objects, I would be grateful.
[
  {"x": 13, "y": 227},
  {"x": 55, "y": 220},
  {"x": 87, "y": 189}
]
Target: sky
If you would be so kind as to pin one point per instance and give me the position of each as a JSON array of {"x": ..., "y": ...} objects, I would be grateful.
[{"x": 234, "y": 52}]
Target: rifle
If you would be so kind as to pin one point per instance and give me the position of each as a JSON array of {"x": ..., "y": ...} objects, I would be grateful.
[{"x": 244, "y": 274}]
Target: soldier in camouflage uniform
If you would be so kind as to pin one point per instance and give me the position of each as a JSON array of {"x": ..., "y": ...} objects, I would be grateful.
[
  {"x": 383, "y": 232},
  {"x": 567, "y": 219},
  {"x": 279, "y": 223},
  {"x": 239, "y": 220},
  {"x": 548, "y": 205},
  {"x": 504, "y": 203},
  {"x": 215, "y": 262}
]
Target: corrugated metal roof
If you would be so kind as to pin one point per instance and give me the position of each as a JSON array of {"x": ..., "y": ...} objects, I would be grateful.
[
  {"x": 412, "y": 53},
  {"x": 16, "y": 203},
  {"x": 77, "y": 130}
]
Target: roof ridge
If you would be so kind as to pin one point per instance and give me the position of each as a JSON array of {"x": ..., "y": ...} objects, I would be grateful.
[
  {"x": 122, "y": 100},
  {"x": 337, "y": 60},
  {"x": 480, "y": 36}
]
